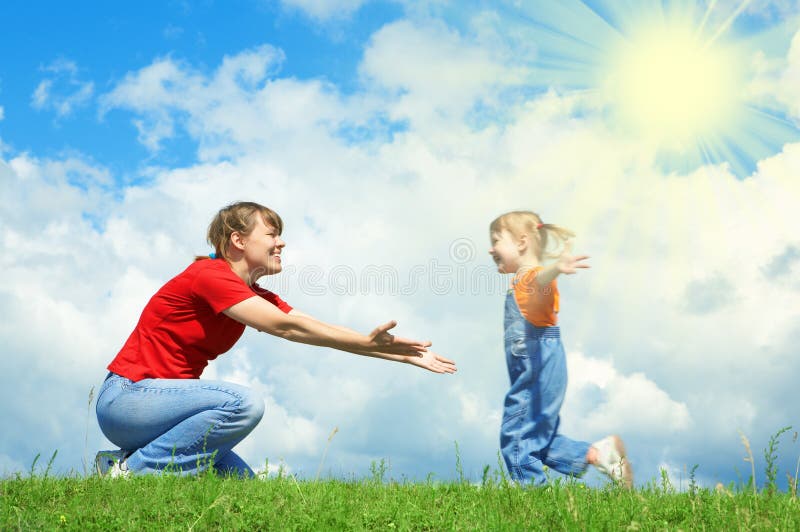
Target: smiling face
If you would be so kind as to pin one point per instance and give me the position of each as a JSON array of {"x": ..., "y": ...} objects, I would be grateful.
[
  {"x": 261, "y": 249},
  {"x": 506, "y": 251}
]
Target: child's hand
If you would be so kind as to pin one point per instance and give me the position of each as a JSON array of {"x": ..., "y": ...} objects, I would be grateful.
[
  {"x": 433, "y": 362},
  {"x": 381, "y": 340},
  {"x": 569, "y": 263}
]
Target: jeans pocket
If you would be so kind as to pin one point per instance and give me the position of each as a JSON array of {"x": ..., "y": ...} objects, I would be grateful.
[{"x": 518, "y": 347}]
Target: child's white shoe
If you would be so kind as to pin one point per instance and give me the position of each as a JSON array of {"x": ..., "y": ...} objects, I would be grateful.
[{"x": 613, "y": 461}]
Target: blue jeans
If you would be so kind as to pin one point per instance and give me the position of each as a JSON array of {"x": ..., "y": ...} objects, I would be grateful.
[
  {"x": 529, "y": 437},
  {"x": 184, "y": 425}
]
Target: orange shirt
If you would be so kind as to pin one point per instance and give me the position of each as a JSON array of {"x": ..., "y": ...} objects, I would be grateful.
[{"x": 537, "y": 304}]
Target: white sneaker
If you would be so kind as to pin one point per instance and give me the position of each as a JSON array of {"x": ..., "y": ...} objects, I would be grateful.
[
  {"x": 112, "y": 464},
  {"x": 613, "y": 461}
]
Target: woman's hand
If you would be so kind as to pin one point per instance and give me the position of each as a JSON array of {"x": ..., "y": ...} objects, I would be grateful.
[
  {"x": 382, "y": 340},
  {"x": 433, "y": 362}
]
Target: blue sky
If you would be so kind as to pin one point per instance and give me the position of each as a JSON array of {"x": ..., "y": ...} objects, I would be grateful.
[
  {"x": 388, "y": 135},
  {"x": 105, "y": 41},
  {"x": 101, "y": 43}
]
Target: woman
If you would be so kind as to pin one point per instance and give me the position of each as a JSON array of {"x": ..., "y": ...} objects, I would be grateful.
[{"x": 153, "y": 404}]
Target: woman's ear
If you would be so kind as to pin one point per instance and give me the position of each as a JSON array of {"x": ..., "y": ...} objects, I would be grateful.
[{"x": 237, "y": 240}]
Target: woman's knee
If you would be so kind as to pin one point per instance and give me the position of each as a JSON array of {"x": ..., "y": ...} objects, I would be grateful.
[{"x": 251, "y": 408}]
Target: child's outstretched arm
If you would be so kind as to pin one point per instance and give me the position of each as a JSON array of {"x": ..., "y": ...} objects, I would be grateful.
[{"x": 567, "y": 263}]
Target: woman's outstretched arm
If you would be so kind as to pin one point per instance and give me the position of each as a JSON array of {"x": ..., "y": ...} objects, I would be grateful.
[
  {"x": 298, "y": 327},
  {"x": 427, "y": 360}
]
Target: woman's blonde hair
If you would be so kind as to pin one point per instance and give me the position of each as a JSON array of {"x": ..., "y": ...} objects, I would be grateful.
[
  {"x": 547, "y": 239},
  {"x": 239, "y": 217}
]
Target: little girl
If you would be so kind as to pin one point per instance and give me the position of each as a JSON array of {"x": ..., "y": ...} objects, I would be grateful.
[{"x": 529, "y": 437}]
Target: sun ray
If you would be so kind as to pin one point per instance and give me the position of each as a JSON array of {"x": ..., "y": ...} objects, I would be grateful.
[
  {"x": 663, "y": 69},
  {"x": 707, "y": 14},
  {"x": 727, "y": 24}
]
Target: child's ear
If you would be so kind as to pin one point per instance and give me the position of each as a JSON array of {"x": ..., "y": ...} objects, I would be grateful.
[{"x": 522, "y": 243}]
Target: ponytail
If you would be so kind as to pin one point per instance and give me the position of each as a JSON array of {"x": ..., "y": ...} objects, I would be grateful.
[{"x": 555, "y": 237}]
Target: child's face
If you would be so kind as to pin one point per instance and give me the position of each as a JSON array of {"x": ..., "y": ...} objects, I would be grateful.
[{"x": 505, "y": 251}]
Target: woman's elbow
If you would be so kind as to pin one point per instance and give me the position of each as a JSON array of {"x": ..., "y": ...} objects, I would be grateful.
[{"x": 282, "y": 329}]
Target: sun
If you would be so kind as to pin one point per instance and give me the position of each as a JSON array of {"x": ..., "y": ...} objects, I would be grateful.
[
  {"x": 669, "y": 85},
  {"x": 688, "y": 82}
]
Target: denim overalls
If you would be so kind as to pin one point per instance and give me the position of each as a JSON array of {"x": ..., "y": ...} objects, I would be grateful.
[{"x": 537, "y": 368}]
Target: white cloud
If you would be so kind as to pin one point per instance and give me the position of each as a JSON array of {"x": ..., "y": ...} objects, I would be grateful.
[
  {"x": 789, "y": 82},
  {"x": 681, "y": 333},
  {"x": 775, "y": 78},
  {"x": 225, "y": 106},
  {"x": 325, "y": 10},
  {"x": 433, "y": 68},
  {"x": 601, "y": 401},
  {"x": 151, "y": 88},
  {"x": 2, "y": 113},
  {"x": 62, "y": 91}
]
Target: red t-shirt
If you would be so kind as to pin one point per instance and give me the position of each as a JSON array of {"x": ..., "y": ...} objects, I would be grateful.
[{"x": 182, "y": 327}]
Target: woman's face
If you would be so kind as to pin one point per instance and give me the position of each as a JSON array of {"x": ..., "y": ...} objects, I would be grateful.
[{"x": 262, "y": 249}]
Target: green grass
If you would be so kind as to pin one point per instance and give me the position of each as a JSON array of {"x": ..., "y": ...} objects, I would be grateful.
[
  {"x": 211, "y": 503},
  {"x": 39, "y": 501}
]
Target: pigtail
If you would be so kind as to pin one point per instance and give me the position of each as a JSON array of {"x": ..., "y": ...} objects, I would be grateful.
[{"x": 553, "y": 240}]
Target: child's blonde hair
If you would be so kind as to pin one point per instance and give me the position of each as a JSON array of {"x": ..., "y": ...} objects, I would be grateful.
[{"x": 541, "y": 235}]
